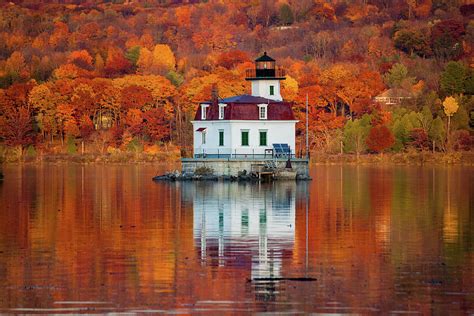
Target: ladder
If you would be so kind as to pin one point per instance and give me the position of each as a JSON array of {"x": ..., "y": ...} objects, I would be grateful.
[{"x": 270, "y": 164}]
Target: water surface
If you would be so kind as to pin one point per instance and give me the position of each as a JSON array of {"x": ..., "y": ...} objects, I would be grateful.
[{"x": 93, "y": 238}]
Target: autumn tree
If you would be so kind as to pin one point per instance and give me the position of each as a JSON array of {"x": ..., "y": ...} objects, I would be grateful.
[
  {"x": 16, "y": 128},
  {"x": 81, "y": 59},
  {"x": 231, "y": 58},
  {"x": 446, "y": 39},
  {"x": 116, "y": 63},
  {"x": 134, "y": 121},
  {"x": 450, "y": 107},
  {"x": 136, "y": 97},
  {"x": 380, "y": 138},
  {"x": 157, "y": 126}
]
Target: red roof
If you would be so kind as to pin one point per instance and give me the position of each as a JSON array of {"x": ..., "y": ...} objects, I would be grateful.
[{"x": 245, "y": 107}]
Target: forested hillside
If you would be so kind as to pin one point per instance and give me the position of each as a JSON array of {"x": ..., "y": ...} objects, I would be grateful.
[{"x": 128, "y": 75}]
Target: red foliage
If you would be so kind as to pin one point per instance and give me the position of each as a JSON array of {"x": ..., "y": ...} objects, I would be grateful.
[
  {"x": 86, "y": 126},
  {"x": 230, "y": 59},
  {"x": 16, "y": 127},
  {"x": 116, "y": 63},
  {"x": 380, "y": 138},
  {"x": 135, "y": 97},
  {"x": 463, "y": 140},
  {"x": 15, "y": 96},
  {"x": 419, "y": 138},
  {"x": 452, "y": 28},
  {"x": 157, "y": 126}
]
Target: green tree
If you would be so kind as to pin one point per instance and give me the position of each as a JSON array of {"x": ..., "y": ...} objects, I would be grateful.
[
  {"x": 437, "y": 133},
  {"x": 133, "y": 53},
  {"x": 425, "y": 118},
  {"x": 412, "y": 42},
  {"x": 286, "y": 15},
  {"x": 397, "y": 75},
  {"x": 175, "y": 77},
  {"x": 401, "y": 130},
  {"x": 355, "y": 134},
  {"x": 453, "y": 78},
  {"x": 460, "y": 118}
]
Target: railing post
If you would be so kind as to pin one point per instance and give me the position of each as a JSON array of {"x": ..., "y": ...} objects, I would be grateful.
[
  {"x": 218, "y": 153},
  {"x": 253, "y": 153}
]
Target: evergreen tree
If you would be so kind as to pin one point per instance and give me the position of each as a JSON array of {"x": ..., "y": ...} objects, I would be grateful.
[
  {"x": 453, "y": 78},
  {"x": 286, "y": 15},
  {"x": 397, "y": 75}
]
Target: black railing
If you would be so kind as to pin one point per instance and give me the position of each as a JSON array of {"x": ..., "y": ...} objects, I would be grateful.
[
  {"x": 227, "y": 153},
  {"x": 244, "y": 156}
]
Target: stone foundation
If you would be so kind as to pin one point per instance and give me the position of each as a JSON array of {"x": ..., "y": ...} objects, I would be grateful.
[{"x": 231, "y": 167}]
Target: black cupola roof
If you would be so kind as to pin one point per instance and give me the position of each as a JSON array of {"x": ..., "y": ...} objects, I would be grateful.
[{"x": 264, "y": 57}]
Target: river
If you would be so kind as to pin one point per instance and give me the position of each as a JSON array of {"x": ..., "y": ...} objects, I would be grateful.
[{"x": 357, "y": 239}]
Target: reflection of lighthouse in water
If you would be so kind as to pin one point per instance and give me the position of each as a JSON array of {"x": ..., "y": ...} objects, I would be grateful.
[{"x": 242, "y": 219}]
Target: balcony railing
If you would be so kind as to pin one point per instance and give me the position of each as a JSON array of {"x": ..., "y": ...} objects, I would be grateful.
[
  {"x": 265, "y": 73},
  {"x": 228, "y": 153}
]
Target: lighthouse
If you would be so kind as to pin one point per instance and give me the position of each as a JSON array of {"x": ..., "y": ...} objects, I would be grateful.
[
  {"x": 246, "y": 130},
  {"x": 265, "y": 78}
]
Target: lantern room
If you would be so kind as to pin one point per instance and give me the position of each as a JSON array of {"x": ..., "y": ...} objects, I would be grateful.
[
  {"x": 265, "y": 67},
  {"x": 265, "y": 78}
]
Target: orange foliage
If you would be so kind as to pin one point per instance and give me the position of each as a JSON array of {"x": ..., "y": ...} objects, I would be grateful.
[
  {"x": 116, "y": 63},
  {"x": 81, "y": 59},
  {"x": 135, "y": 97},
  {"x": 230, "y": 59}
]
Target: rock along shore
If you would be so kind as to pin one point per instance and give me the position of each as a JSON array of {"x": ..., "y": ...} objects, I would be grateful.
[{"x": 242, "y": 176}]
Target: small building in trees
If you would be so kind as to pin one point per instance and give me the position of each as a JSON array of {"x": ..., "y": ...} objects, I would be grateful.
[
  {"x": 255, "y": 125},
  {"x": 393, "y": 96},
  {"x": 247, "y": 132}
]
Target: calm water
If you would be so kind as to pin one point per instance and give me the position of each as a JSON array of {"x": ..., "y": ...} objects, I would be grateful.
[{"x": 364, "y": 240}]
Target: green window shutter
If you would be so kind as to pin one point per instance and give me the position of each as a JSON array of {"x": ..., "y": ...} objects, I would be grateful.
[
  {"x": 263, "y": 138},
  {"x": 245, "y": 138},
  {"x": 221, "y": 138},
  {"x": 272, "y": 90}
]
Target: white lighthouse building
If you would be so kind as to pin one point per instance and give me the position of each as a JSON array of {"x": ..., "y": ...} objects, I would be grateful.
[{"x": 259, "y": 125}]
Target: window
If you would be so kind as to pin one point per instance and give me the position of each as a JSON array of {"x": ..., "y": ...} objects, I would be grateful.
[
  {"x": 262, "y": 111},
  {"x": 203, "y": 111},
  {"x": 263, "y": 138},
  {"x": 245, "y": 138},
  {"x": 221, "y": 138},
  {"x": 221, "y": 111},
  {"x": 272, "y": 90},
  {"x": 203, "y": 137}
]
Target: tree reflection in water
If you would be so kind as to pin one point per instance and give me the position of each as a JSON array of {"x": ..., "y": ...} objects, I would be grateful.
[{"x": 364, "y": 239}]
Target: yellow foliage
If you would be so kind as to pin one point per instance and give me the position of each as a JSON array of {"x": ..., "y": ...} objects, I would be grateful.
[
  {"x": 40, "y": 98},
  {"x": 163, "y": 58},
  {"x": 15, "y": 63},
  {"x": 290, "y": 88},
  {"x": 67, "y": 71},
  {"x": 152, "y": 149},
  {"x": 418, "y": 87},
  {"x": 450, "y": 106}
]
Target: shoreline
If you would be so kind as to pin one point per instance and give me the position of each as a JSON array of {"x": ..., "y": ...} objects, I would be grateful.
[{"x": 407, "y": 158}]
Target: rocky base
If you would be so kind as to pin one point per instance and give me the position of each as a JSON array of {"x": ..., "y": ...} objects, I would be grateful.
[{"x": 242, "y": 176}]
